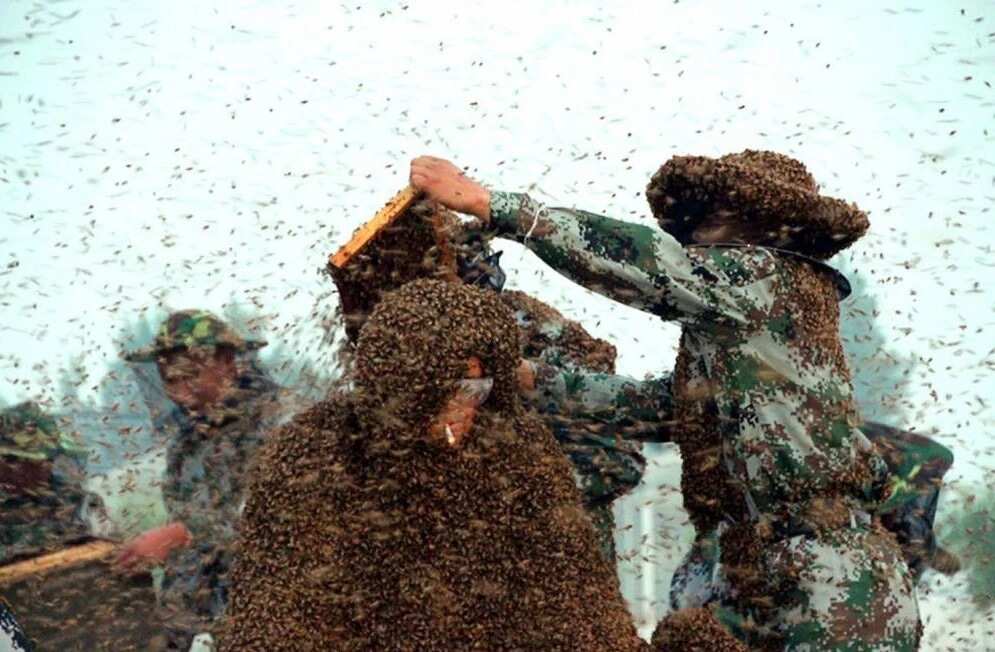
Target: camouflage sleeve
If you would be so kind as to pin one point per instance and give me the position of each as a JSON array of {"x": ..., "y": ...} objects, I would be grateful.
[
  {"x": 172, "y": 490},
  {"x": 907, "y": 495},
  {"x": 77, "y": 505},
  {"x": 184, "y": 472},
  {"x": 638, "y": 265},
  {"x": 68, "y": 476},
  {"x": 642, "y": 409}
]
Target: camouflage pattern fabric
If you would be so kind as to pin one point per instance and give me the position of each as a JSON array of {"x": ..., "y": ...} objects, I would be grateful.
[
  {"x": 584, "y": 406},
  {"x": 42, "y": 500},
  {"x": 194, "y": 591},
  {"x": 637, "y": 410},
  {"x": 206, "y": 466},
  {"x": 595, "y": 416},
  {"x": 613, "y": 406},
  {"x": 552, "y": 338},
  {"x": 605, "y": 467},
  {"x": 27, "y": 432},
  {"x": 186, "y": 329},
  {"x": 12, "y": 637},
  {"x": 841, "y": 590},
  {"x": 783, "y": 404},
  {"x": 697, "y": 581},
  {"x": 907, "y": 505},
  {"x": 585, "y": 411},
  {"x": 788, "y": 415}
]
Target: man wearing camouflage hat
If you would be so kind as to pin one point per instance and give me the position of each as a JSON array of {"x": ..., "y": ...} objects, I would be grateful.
[
  {"x": 226, "y": 406},
  {"x": 43, "y": 506},
  {"x": 768, "y": 423}
]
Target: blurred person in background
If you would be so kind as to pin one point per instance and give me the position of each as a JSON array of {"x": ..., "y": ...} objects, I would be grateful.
[
  {"x": 227, "y": 404},
  {"x": 43, "y": 505}
]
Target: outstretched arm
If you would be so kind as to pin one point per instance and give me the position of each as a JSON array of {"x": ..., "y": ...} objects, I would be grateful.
[
  {"x": 638, "y": 265},
  {"x": 640, "y": 410}
]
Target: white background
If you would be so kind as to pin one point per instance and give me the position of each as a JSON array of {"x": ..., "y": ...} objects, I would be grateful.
[{"x": 186, "y": 153}]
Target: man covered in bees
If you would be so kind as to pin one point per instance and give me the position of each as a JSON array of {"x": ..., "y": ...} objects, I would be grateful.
[
  {"x": 423, "y": 508},
  {"x": 773, "y": 456}
]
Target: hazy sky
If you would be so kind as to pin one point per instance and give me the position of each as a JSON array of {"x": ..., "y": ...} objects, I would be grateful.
[{"x": 194, "y": 153}]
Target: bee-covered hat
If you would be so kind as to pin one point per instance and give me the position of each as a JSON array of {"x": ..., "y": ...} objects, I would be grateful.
[
  {"x": 187, "y": 329},
  {"x": 774, "y": 192}
]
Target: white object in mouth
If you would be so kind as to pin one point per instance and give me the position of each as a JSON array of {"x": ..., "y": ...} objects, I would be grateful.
[
  {"x": 450, "y": 437},
  {"x": 476, "y": 388}
]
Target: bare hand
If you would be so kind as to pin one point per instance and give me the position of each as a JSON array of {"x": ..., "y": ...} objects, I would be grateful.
[
  {"x": 448, "y": 185},
  {"x": 153, "y": 546},
  {"x": 526, "y": 376}
]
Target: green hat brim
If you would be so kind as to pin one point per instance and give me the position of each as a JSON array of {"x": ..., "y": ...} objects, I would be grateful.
[
  {"x": 20, "y": 453},
  {"x": 152, "y": 353}
]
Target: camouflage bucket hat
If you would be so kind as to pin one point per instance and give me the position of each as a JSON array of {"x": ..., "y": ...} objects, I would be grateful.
[
  {"x": 772, "y": 191},
  {"x": 27, "y": 432},
  {"x": 193, "y": 329}
]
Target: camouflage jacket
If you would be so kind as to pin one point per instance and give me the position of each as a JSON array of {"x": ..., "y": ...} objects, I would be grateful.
[
  {"x": 207, "y": 460},
  {"x": 587, "y": 413},
  {"x": 43, "y": 505},
  {"x": 784, "y": 407},
  {"x": 583, "y": 402},
  {"x": 623, "y": 407},
  {"x": 600, "y": 419}
]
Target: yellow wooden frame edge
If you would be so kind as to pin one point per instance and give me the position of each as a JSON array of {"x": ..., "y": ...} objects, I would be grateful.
[{"x": 384, "y": 217}]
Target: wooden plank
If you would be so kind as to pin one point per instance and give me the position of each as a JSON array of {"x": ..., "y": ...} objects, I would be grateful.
[
  {"x": 384, "y": 217},
  {"x": 87, "y": 552}
]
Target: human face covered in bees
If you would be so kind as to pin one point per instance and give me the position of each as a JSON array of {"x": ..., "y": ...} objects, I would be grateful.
[
  {"x": 455, "y": 420},
  {"x": 440, "y": 357}
]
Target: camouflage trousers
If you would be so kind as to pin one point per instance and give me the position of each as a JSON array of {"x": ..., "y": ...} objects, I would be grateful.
[
  {"x": 194, "y": 593},
  {"x": 846, "y": 589},
  {"x": 697, "y": 582}
]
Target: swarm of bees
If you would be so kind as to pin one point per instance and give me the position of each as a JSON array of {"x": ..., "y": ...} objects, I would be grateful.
[{"x": 771, "y": 191}]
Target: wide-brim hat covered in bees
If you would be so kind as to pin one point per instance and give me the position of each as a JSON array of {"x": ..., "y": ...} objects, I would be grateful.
[
  {"x": 774, "y": 192},
  {"x": 189, "y": 329}
]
